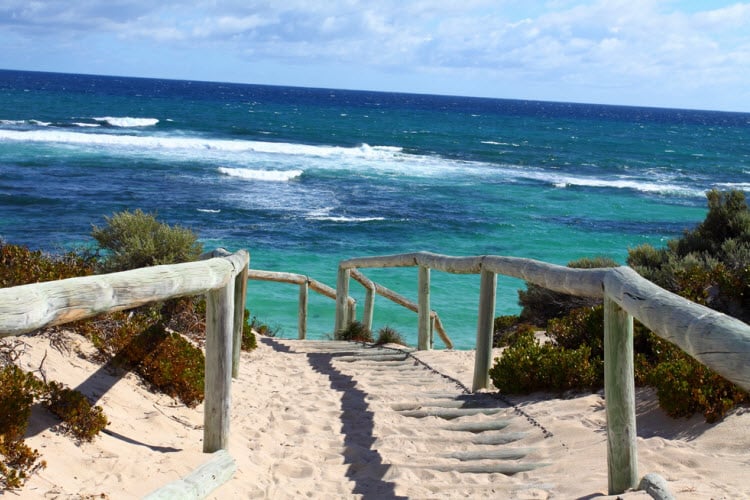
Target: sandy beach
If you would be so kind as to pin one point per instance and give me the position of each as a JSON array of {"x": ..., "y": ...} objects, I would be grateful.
[{"x": 327, "y": 420}]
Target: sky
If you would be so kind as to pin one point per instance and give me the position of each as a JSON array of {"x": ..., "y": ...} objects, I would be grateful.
[{"x": 681, "y": 54}]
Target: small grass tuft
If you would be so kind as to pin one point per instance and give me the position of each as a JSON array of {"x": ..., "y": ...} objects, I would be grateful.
[
  {"x": 355, "y": 332},
  {"x": 388, "y": 335}
]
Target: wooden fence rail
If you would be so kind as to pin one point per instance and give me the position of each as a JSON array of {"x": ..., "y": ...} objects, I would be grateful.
[
  {"x": 305, "y": 283},
  {"x": 715, "y": 339},
  {"x": 222, "y": 278}
]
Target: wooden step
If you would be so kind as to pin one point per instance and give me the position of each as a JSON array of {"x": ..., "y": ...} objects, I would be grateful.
[
  {"x": 449, "y": 413},
  {"x": 477, "y": 427},
  {"x": 502, "y": 454}
]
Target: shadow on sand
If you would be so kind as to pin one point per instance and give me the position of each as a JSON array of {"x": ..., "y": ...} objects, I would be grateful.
[{"x": 366, "y": 467}]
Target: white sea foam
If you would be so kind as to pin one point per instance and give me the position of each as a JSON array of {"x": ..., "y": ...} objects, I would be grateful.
[
  {"x": 563, "y": 181},
  {"x": 728, "y": 186},
  {"x": 199, "y": 143},
  {"x": 281, "y": 161},
  {"x": 24, "y": 122},
  {"x": 86, "y": 125},
  {"x": 127, "y": 121},
  {"x": 261, "y": 175},
  {"x": 209, "y": 210},
  {"x": 333, "y": 218}
]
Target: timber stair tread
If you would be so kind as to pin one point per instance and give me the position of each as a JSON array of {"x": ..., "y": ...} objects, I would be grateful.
[{"x": 475, "y": 434}]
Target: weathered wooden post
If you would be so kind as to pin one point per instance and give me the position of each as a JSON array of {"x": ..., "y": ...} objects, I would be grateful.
[
  {"x": 369, "y": 310},
  {"x": 485, "y": 327},
  {"x": 619, "y": 393},
  {"x": 240, "y": 295},
  {"x": 302, "y": 313},
  {"x": 432, "y": 330},
  {"x": 218, "y": 379},
  {"x": 342, "y": 294},
  {"x": 423, "y": 309}
]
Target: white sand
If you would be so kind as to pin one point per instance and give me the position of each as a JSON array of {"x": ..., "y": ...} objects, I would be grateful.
[{"x": 305, "y": 425}]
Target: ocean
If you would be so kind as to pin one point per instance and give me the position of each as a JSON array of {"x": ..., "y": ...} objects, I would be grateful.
[{"x": 303, "y": 178}]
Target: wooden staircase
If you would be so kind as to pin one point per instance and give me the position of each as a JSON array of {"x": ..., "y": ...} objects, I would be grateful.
[{"x": 434, "y": 439}]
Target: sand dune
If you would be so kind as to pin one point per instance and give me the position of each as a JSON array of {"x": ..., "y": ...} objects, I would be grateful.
[{"x": 328, "y": 420}]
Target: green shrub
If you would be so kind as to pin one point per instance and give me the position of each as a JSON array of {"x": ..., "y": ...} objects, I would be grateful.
[
  {"x": 79, "y": 418},
  {"x": 18, "y": 392},
  {"x": 581, "y": 327},
  {"x": 509, "y": 329},
  {"x": 135, "y": 239},
  {"x": 356, "y": 332},
  {"x": 262, "y": 328},
  {"x": 21, "y": 266},
  {"x": 173, "y": 365},
  {"x": 141, "y": 342},
  {"x": 684, "y": 387},
  {"x": 249, "y": 342},
  {"x": 529, "y": 366},
  {"x": 18, "y": 463},
  {"x": 388, "y": 335},
  {"x": 709, "y": 264}
]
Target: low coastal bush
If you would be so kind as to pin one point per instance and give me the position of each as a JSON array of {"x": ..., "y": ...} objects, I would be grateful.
[
  {"x": 388, "y": 335},
  {"x": 355, "y": 332},
  {"x": 18, "y": 392},
  {"x": 79, "y": 418},
  {"x": 21, "y": 266},
  {"x": 131, "y": 240},
  {"x": 509, "y": 329},
  {"x": 142, "y": 343},
  {"x": 530, "y": 366},
  {"x": 249, "y": 342},
  {"x": 709, "y": 265}
]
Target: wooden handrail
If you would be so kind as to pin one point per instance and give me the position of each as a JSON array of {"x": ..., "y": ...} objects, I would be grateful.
[
  {"x": 27, "y": 308},
  {"x": 719, "y": 341},
  {"x": 400, "y": 300},
  {"x": 304, "y": 283}
]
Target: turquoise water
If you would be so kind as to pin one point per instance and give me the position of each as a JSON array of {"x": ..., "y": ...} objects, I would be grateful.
[{"x": 303, "y": 178}]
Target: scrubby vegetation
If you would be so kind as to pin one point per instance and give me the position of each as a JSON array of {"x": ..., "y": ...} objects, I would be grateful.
[
  {"x": 388, "y": 335},
  {"x": 137, "y": 239},
  {"x": 141, "y": 342},
  {"x": 709, "y": 265},
  {"x": 356, "y": 332},
  {"x": 18, "y": 392},
  {"x": 19, "y": 265}
]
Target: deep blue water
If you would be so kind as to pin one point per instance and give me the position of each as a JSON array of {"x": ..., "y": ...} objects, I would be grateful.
[{"x": 303, "y": 178}]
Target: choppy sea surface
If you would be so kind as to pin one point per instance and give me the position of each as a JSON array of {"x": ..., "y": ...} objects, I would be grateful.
[{"x": 304, "y": 178}]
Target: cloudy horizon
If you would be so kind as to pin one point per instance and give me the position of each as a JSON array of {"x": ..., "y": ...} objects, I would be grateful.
[{"x": 690, "y": 54}]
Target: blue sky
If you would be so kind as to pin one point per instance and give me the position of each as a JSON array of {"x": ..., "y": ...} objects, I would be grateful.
[{"x": 690, "y": 54}]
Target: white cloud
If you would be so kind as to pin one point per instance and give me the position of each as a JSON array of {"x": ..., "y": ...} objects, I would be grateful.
[{"x": 594, "y": 43}]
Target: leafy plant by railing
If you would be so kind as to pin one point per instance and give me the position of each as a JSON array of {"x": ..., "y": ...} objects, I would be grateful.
[{"x": 705, "y": 265}]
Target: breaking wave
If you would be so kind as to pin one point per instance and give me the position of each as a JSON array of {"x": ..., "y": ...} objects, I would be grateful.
[{"x": 261, "y": 175}]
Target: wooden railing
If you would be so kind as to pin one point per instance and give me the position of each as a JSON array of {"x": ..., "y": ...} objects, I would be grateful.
[
  {"x": 716, "y": 340},
  {"x": 222, "y": 278},
  {"x": 306, "y": 283},
  {"x": 719, "y": 341}
]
